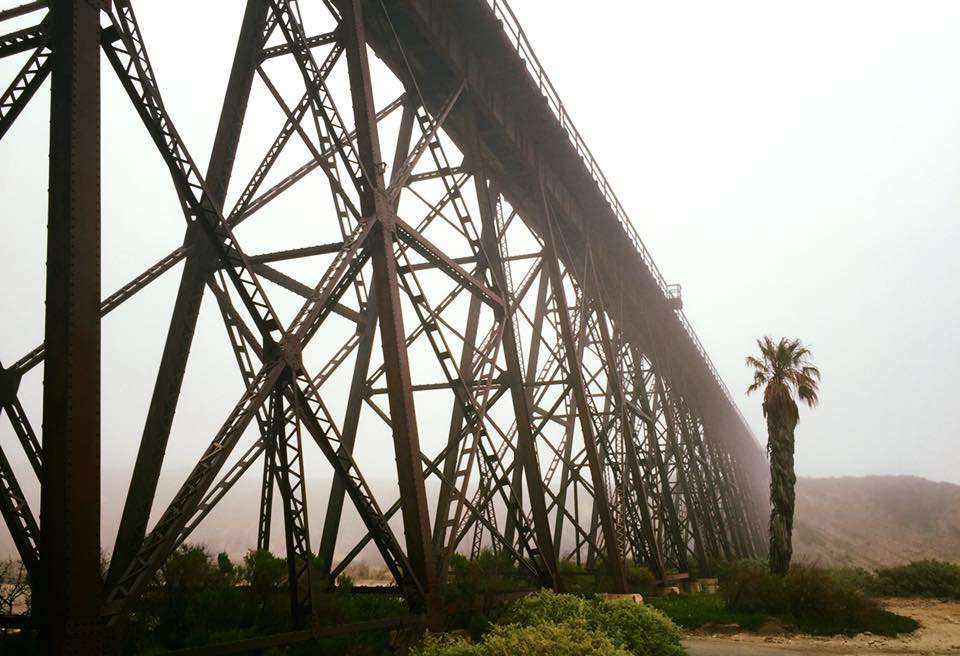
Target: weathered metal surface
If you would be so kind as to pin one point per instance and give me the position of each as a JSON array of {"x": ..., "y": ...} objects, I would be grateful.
[
  {"x": 67, "y": 587},
  {"x": 580, "y": 417}
]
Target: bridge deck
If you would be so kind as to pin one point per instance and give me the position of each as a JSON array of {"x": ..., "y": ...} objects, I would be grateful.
[{"x": 526, "y": 140}]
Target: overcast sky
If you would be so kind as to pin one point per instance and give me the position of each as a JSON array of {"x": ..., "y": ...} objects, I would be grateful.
[{"x": 794, "y": 166}]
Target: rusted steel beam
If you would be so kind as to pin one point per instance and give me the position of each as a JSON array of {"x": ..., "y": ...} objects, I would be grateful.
[
  {"x": 24, "y": 85},
  {"x": 526, "y": 440},
  {"x": 613, "y": 558},
  {"x": 67, "y": 589},
  {"x": 19, "y": 519},
  {"x": 293, "y": 493},
  {"x": 186, "y": 309},
  {"x": 413, "y": 498},
  {"x": 22, "y": 40},
  {"x": 358, "y": 382}
]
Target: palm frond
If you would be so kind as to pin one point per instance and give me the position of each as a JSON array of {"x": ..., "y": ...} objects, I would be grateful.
[
  {"x": 808, "y": 395},
  {"x": 784, "y": 368},
  {"x": 810, "y": 371},
  {"x": 757, "y": 364}
]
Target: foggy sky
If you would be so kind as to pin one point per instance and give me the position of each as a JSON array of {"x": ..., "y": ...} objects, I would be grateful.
[{"x": 794, "y": 166}]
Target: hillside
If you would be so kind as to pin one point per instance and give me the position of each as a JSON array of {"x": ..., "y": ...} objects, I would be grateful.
[
  {"x": 876, "y": 520},
  {"x": 866, "y": 521}
]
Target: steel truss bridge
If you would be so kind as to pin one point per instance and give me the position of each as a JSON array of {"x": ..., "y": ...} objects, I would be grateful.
[{"x": 479, "y": 304}]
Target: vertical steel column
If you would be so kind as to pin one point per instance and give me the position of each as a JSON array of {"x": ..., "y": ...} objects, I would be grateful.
[
  {"x": 712, "y": 486},
  {"x": 699, "y": 492},
  {"x": 456, "y": 428},
  {"x": 755, "y": 536},
  {"x": 285, "y": 430},
  {"x": 734, "y": 521},
  {"x": 670, "y": 518},
  {"x": 533, "y": 358},
  {"x": 630, "y": 441},
  {"x": 600, "y": 498},
  {"x": 358, "y": 386},
  {"x": 656, "y": 556},
  {"x": 266, "y": 496},
  {"x": 68, "y": 589},
  {"x": 183, "y": 321},
  {"x": 669, "y": 403},
  {"x": 526, "y": 446},
  {"x": 413, "y": 496},
  {"x": 361, "y": 367}
]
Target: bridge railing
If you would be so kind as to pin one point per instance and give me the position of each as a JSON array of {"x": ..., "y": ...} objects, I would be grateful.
[{"x": 502, "y": 11}]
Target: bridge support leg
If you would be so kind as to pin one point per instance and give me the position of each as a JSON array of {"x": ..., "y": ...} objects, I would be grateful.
[
  {"x": 183, "y": 321},
  {"x": 667, "y": 503},
  {"x": 712, "y": 547},
  {"x": 630, "y": 440},
  {"x": 671, "y": 404},
  {"x": 413, "y": 496},
  {"x": 361, "y": 367},
  {"x": 68, "y": 589},
  {"x": 526, "y": 448},
  {"x": 735, "y": 521},
  {"x": 614, "y": 562},
  {"x": 712, "y": 488}
]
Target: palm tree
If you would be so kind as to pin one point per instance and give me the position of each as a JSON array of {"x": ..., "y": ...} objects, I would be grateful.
[{"x": 783, "y": 369}]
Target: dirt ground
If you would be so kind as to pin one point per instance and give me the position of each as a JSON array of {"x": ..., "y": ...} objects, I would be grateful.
[{"x": 939, "y": 634}]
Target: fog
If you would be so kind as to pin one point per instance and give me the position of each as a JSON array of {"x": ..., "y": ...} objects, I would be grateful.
[{"x": 793, "y": 166}]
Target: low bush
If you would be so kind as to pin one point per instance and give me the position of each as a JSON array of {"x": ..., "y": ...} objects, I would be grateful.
[
  {"x": 640, "y": 630},
  {"x": 855, "y": 577},
  {"x": 446, "y": 644},
  {"x": 567, "y": 639},
  {"x": 820, "y": 601},
  {"x": 198, "y": 599},
  {"x": 748, "y": 586},
  {"x": 639, "y": 578},
  {"x": 922, "y": 578},
  {"x": 817, "y": 600},
  {"x": 475, "y": 586},
  {"x": 543, "y": 608},
  {"x": 578, "y": 580},
  {"x": 572, "y": 638},
  {"x": 693, "y": 611}
]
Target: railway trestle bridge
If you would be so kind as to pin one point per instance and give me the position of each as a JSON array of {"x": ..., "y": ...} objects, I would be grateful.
[{"x": 463, "y": 293}]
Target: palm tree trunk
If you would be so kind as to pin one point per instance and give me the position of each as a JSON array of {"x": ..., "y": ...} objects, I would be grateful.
[{"x": 780, "y": 427}]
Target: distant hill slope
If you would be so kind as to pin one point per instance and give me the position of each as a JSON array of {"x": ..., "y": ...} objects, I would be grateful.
[
  {"x": 876, "y": 520},
  {"x": 867, "y": 521}
]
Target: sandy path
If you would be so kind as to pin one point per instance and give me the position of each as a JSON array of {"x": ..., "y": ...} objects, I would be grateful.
[{"x": 940, "y": 634}]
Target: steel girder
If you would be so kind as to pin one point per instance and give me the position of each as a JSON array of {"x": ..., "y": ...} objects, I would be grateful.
[{"x": 550, "y": 419}]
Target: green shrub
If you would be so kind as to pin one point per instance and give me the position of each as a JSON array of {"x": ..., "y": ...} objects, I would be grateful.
[
  {"x": 856, "y": 578},
  {"x": 641, "y": 630},
  {"x": 567, "y": 639},
  {"x": 817, "y": 599},
  {"x": 264, "y": 572},
  {"x": 572, "y": 638},
  {"x": 748, "y": 586},
  {"x": 544, "y": 607},
  {"x": 577, "y": 580},
  {"x": 446, "y": 644},
  {"x": 692, "y": 611},
  {"x": 192, "y": 599},
  {"x": 474, "y": 584},
  {"x": 639, "y": 578},
  {"x": 922, "y": 578}
]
